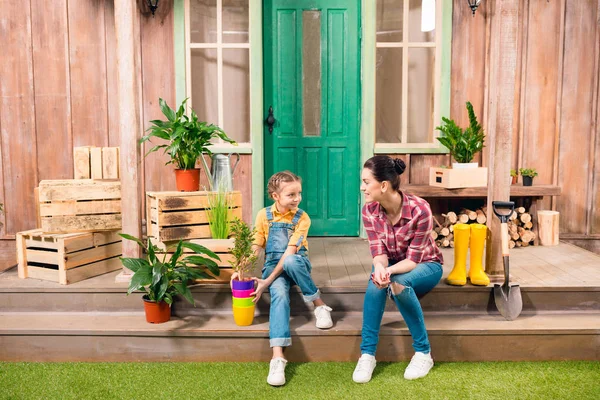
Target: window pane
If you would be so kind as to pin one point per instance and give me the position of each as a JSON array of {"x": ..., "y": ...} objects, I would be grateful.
[
  {"x": 203, "y": 21},
  {"x": 235, "y": 21},
  {"x": 389, "y": 95},
  {"x": 236, "y": 94},
  {"x": 311, "y": 73},
  {"x": 204, "y": 84},
  {"x": 414, "y": 24},
  {"x": 389, "y": 20},
  {"x": 421, "y": 62}
]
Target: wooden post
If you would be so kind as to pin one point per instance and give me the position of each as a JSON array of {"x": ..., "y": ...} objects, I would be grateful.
[
  {"x": 128, "y": 67},
  {"x": 501, "y": 95}
]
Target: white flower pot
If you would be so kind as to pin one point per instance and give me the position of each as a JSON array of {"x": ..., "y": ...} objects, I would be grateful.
[{"x": 465, "y": 165}]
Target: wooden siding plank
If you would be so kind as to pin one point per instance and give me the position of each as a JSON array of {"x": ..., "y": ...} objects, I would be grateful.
[
  {"x": 52, "y": 88},
  {"x": 17, "y": 111},
  {"x": 111, "y": 74}
]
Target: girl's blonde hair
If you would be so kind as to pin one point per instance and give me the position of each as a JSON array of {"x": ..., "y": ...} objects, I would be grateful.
[{"x": 275, "y": 181}]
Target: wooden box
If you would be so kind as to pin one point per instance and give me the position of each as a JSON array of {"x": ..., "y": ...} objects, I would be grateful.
[
  {"x": 91, "y": 162},
  {"x": 221, "y": 247},
  {"x": 450, "y": 178},
  {"x": 67, "y": 258},
  {"x": 182, "y": 215},
  {"x": 67, "y": 206}
]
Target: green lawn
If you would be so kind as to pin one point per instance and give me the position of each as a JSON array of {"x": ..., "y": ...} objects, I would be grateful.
[{"x": 505, "y": 380}]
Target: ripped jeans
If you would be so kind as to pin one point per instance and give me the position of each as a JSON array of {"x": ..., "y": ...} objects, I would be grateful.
[{"x": 417, "y": 282}]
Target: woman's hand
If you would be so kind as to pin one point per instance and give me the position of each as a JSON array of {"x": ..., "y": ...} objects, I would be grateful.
[
  {"x": 261, "y": 285},
  {"x": 380, "y": 276}
]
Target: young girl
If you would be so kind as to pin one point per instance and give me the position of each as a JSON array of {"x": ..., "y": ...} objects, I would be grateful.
[
  {"x": 281, "y": 230},
  {"x": 406, "y": 262}
]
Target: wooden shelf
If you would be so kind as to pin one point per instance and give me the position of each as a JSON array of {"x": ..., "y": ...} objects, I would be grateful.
[{"x": 515, "y": 191}]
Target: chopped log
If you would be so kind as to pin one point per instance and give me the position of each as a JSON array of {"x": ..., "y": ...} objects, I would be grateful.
[
  {"x": 521, "y": 210},
  {"x": 450, "y": 217},
  {"x": 463, "y": 218},
  {"x": 519, "y": 243},
  {"x": 452, "y": 243},
  {"x": 445, "y": 243},
  {"x": 548, "y": 223},
  {"x": 471, "y": 214},
  {"x": 515, "y": 236},
  {"x": 451, "y": 227},
  {"x": 528, "y": 225},
  {"x": 513, "y": 215},
  {"x": 481, "y": 218},
  {"x": 511, "y": 244},
  {"x": 434, "y": 235},
  {"x": 437, "y": 222},
  {"x": 525, "y": 217},
  {"x": 444, "y": 232}
]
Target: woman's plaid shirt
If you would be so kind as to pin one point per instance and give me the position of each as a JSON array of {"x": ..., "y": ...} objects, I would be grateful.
[{"x": 409, "y": 239}]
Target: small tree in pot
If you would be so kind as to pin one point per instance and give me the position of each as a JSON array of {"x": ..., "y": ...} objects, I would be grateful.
[
  {"x": 162, "y": 279},
  {"x": 513, "y": 175},
  {"x": 528, "y": 174},
  {"x": 243, "y": 263},
  {"x": 188, "y": 139},
  {"x": 462, "y": 144}
]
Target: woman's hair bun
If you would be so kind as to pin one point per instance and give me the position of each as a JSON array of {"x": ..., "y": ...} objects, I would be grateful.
[{"x": 399, "y": 166}]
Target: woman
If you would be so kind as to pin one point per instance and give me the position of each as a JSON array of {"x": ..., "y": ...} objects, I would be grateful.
[{"x": 406, "y": 262}]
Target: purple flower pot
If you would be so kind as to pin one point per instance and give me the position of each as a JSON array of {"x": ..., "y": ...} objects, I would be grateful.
[{"x": 242, "y": 285}]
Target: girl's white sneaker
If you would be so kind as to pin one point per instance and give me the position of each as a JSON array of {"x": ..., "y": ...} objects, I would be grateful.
[{"x": 323, "y": 315}]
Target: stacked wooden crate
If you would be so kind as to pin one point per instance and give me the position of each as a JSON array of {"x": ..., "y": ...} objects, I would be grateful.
[
  {"x": 78, "y": 221},
  {"x": 174, "y": 216}
]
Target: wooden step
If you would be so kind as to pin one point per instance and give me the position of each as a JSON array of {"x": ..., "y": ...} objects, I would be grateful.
[{"x": 213, "y": 336}]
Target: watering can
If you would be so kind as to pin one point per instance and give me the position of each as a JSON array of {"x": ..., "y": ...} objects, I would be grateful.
[{"x": 221, "y": 172}]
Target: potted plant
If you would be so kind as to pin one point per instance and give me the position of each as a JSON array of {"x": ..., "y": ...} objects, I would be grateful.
[
  {"x": 161, "y": 279},
  {"x": 528, "y": 174},
  {"x": 244, "y": 260},
  {"x": 188, "y": 138},
  {"x": 462, "y": 144},
  {"x": 514, "y": 175},
  {"x": 218, "y": 213}
]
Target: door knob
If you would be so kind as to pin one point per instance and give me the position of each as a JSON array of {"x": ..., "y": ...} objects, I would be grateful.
[{"x": 270, "y": 120}]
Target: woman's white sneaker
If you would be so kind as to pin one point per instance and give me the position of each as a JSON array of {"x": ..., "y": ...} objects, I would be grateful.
[
  {"x": 419, "y": 366},
  {"x": 277, "y": 372},
  {"x": 364, "y": 369},
  {"x": 323, "y": 315}
]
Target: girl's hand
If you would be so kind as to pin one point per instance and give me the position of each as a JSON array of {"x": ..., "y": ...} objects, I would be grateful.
[
  {"x": 235, "y": 275},
  {"x": 261, "y": 285}
]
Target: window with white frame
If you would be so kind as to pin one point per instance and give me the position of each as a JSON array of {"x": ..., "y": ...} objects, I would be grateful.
[
  {"x": 408, "y": 73},
  {"x": 218, "y": 64}
]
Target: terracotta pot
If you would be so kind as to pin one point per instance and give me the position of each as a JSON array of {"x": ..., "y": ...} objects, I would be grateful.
[
  {"x": 188, "y": 180},
  {"x": 156, "y": 313},
  {"x": 514, "y": 180},
  {"x": 527, "y": 180}
]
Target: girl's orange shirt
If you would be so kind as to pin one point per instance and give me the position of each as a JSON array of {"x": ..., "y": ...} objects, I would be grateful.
[{"x": 262, "y": 227}]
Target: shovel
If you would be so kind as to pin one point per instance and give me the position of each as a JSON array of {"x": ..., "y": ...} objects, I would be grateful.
[{"x": 507, "y": 296}]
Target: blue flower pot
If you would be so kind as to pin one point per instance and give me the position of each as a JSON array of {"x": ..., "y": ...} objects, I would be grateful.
[{"x": 242, "y": 285}]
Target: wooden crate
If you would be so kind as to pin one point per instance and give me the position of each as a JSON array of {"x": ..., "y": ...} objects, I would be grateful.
[
  {"x": 450, "y": 178},
  {"x": 221, "y": 247},
  {"x": 91, "y": 162},
  {"x": 87, "y": 205},
  {"x": 182, "y": 215},
  {"x": 67, "y": 258}
]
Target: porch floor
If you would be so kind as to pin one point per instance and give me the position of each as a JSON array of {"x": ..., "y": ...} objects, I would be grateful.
[{"x": 346, "y": 262}]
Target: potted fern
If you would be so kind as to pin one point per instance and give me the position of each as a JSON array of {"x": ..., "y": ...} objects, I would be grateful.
[
  {"x": 162, "y": 276},
  {"x": 188, "y": 138},
  {"x": 244, "y": 260},
  {"x": 528, "y": 174},
  {"x": 462, "y": 144}
]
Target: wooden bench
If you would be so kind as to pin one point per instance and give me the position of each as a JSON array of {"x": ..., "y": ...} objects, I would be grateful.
[{"x": 532, "y": 195}]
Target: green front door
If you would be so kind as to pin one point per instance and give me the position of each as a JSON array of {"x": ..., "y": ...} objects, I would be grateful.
[{"x": 311, "y": 82}]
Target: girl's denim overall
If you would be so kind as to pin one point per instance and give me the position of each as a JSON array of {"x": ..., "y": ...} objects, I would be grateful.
[{"x": 296, "y": 271}]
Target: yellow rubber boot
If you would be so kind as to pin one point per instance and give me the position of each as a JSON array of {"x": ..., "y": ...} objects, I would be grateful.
[
  {"x": 458, "y": 276},
  {"x": 477, "y": 274}
]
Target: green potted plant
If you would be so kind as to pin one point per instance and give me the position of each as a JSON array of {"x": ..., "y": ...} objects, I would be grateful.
[
  {"x": 514, "y": 175},
  {"x": 188, "y": 138},
  {"x": 462, "y": 144},
  {"x": 162, "y": 276},
  {"x": 528, "y": 174},
  {"x": 244, "y": 260},
  {"x": 218, "y": 213}
]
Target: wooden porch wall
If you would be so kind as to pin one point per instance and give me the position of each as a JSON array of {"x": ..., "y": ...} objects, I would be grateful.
[{"x": 58, "y": 90}]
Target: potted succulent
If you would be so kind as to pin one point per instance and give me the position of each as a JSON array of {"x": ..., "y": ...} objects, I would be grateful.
[
  {"x": 513, "y": 175},
  {"x": 462, "y": 144},
  {"x": 244, "y": 260},
  {"x": 162, "y": 276},
  {"x": 188, "y": 138},
  {"x": 528, "y": 174}
]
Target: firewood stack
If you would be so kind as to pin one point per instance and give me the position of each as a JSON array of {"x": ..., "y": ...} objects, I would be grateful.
[{"x": 519, "y": 226}]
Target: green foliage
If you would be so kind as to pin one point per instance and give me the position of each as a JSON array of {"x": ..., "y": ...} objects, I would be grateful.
[
  {"x": 219, "y": 206},
  {"x": 244, "y": 257},
  {"x": 513, "y": 173},
  {"x": 162, "y": 279},
  {"x": 463, "y": 145},
  {"x": 528, "y": 172},
  {"x": 188, "y": 138}
]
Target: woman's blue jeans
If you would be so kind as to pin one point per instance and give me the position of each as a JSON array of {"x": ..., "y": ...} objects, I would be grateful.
[{"x": 417, "y": 282}]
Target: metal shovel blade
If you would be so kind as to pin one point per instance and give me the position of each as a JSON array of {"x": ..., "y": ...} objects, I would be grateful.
[{"x": 508, "y": 300}]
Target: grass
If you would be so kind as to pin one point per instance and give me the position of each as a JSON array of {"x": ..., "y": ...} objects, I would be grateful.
[
  {"x": 218, "y": 213},
  {"x": 501, "y": 380}
]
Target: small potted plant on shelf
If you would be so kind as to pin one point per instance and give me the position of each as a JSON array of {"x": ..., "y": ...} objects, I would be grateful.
[
  {"x": 528, "y": 174},
  {"x": 244, "y": 260},
  {"x": 162, "y": 276},
  {"x": 514, "y": 175},
  {"x": 462, "y": 144},
  {"x": 188, "y": 138}
]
